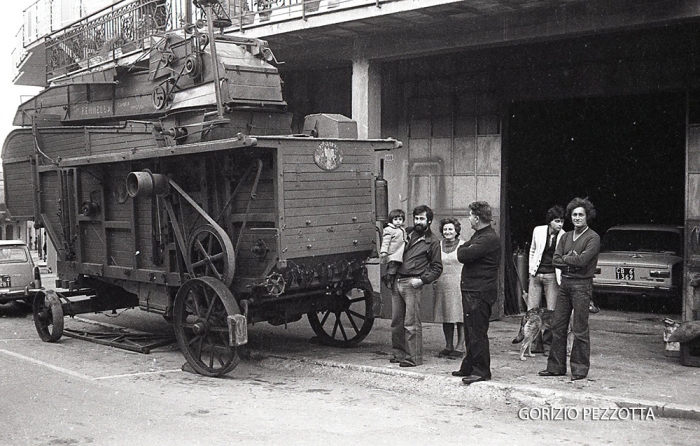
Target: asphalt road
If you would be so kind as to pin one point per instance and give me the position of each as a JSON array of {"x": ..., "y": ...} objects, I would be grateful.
[{"x": 74, "y": 393}]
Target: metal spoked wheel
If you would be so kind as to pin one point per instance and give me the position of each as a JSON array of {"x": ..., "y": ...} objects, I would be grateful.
[
  {"x": 48, "y": 316},
  {"x": 200, "y": 313},
  {"x": 347, "y": 320},
  {"x": 211, "y": 254}
]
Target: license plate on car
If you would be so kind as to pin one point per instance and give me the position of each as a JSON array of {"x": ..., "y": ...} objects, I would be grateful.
[
  {"x": 5, "y": 282},
  {"x": 624, "y": 273}
]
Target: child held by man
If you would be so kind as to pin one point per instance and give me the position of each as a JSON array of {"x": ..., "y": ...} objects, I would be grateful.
[{"x": 393, "y": 244}]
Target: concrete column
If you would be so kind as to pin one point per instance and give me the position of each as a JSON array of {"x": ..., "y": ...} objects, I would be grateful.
[{"x": 366, "y": 98}]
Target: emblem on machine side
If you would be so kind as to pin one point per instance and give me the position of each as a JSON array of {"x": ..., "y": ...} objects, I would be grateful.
[{"x": 328, "y": 156}]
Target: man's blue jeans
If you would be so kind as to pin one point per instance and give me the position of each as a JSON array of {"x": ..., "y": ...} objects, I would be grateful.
[
  {"x": 539, "y": 284},
  {"x": 406, "y": 328},
  {"x": 574, "y": 294},
  {"x": 542, "y": 284}
]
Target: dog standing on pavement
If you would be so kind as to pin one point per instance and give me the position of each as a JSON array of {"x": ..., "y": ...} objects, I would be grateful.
[{"x": 533, "y": 323}]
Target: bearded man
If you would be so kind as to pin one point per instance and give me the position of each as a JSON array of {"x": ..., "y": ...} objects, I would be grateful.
[{"x": 422, "y": 264}]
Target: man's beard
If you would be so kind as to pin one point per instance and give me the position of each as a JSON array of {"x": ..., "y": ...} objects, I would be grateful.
[{"x": 420, "y": 228}]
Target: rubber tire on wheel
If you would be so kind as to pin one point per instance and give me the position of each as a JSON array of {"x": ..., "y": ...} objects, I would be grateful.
[
  {"x": 200, "y": 313},
  {"x": 48, "y": 316},
  {"x": 334, "y": 325}
]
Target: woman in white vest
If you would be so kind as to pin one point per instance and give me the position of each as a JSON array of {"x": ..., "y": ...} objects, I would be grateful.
[{"x": 448, "y": 294}]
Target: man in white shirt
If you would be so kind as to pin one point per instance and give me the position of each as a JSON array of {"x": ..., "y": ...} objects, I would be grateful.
[{"x": 544, "y": 278}]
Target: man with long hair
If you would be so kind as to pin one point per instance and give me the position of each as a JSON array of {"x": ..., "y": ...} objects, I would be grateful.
[{"x": 577, "y": 256}]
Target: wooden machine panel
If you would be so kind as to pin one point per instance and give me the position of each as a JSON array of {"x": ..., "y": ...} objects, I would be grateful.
[
  {"x": 17, "y": 173},
  {"x": 326, "y": 198}
]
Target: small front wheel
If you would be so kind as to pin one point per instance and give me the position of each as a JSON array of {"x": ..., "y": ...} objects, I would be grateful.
[{"x": 48, "y": 315}]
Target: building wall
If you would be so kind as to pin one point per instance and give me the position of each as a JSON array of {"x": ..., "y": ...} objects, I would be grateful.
[
  {"x": 451, "y": 156},
  {"x": 451, "y": 112},
  {"x": 691, "y": 302}
]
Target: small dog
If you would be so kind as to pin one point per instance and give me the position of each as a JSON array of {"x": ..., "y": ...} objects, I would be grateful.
[
  {"x": 569, "y": 334},
  {"x": 533, "y": 323}
]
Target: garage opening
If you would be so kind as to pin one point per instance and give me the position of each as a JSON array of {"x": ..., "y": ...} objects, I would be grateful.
[{"x": 626, "y": 153}]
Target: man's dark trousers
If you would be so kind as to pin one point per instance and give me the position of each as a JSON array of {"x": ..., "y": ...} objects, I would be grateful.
[
  {"x": 574, "y": 295},
  {"x": 477, "y": 313}
]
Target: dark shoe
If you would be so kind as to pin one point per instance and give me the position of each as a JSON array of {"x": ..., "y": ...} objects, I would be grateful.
[
  {"x": 548, "y": 373},
  {"x": 444, "y": 353},
  {"x": 394, "y": 360},
  {"x": 406, "y": 364},
  {"x": 577, "y": 377},
  {"x": 456, "y": 354},
  {"x": 460, "y": 373},
  {"x": 473, "y": 379},
  {"x": 592, "y": 308}
]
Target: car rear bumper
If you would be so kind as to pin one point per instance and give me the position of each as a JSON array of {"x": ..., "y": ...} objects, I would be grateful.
[
  {"x": 9, "y": 296},
  {"x": 636, "y": 290}
]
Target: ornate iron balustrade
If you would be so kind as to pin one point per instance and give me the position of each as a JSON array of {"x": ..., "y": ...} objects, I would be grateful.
[
  {"x": 124, "y": 28},
  {"x": 106, "y": 36},
  {"x": 246, "y": 13}
]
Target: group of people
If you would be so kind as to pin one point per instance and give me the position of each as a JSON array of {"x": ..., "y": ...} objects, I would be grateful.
[{"x": 465, "y": 277}]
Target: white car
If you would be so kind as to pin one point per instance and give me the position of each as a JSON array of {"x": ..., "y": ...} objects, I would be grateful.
[
  {"x": 20, "y": 279},
  {"x": 643, "y": 260}
]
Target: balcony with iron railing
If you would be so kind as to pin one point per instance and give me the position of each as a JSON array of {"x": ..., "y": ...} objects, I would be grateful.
[
  {"x": 48, "y": 45},
  {"x": 124, "y": 28},
  {"x": 105, "y": 37}
]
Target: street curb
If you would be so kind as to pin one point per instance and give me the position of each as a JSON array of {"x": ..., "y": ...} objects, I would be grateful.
[{"x": 522, "y": 393}]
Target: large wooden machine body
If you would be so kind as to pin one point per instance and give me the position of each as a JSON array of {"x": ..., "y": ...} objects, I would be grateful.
[
  {"x": 172, "y": 183},
  {"x": 301, "y": 225},
  {"x": 299, "y": 221}
]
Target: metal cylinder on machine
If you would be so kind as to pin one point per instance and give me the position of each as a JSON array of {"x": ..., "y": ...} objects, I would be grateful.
[
  {"x": 381, "y": 199},
  {"x": 145, "y": 184},
  {"x": 521, "y": 267}
]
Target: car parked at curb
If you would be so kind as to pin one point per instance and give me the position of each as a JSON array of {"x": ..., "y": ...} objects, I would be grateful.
[
  {"x": 644, "y": 260},
  {"x": 20, "y": 279}
]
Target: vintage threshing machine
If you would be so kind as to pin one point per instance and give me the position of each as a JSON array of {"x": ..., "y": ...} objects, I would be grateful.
[{"x": 162, "y": 180}]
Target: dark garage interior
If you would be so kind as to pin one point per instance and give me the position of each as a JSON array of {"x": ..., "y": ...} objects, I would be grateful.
[{"x": 626, "y": 153}]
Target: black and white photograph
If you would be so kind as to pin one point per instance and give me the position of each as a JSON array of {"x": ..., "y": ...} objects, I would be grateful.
[{"x": 343, "y": 222}]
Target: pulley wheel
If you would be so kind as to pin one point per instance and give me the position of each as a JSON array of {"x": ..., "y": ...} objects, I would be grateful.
[{"x": 211, "y": 254}]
